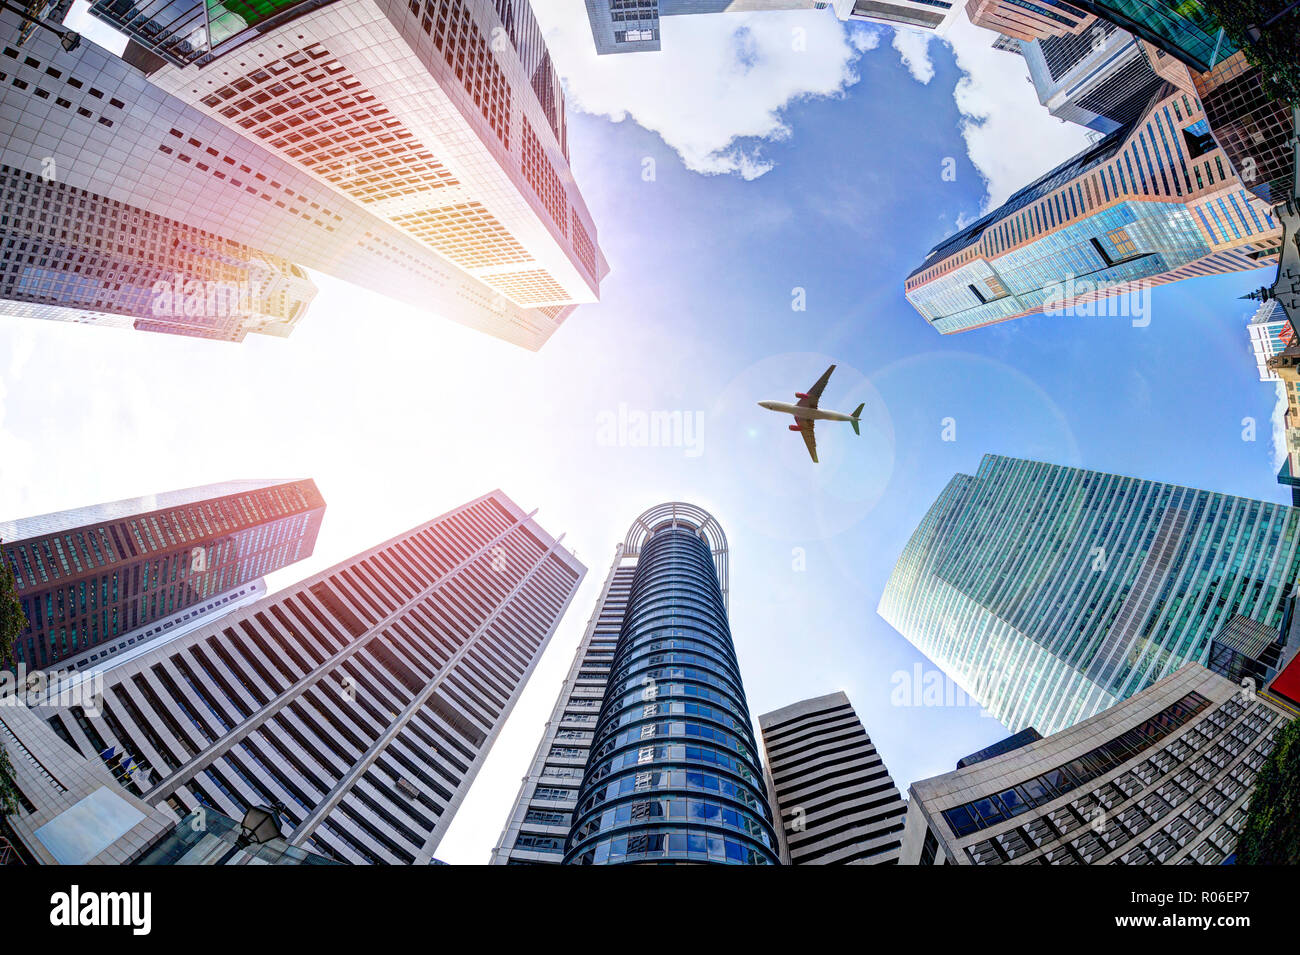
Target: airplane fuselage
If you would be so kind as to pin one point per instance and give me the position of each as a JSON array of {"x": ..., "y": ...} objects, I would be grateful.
[{"x": 810, "y": 414}]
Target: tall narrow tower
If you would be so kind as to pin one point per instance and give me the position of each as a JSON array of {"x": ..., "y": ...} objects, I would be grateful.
[{"x": 672, "y": 772}]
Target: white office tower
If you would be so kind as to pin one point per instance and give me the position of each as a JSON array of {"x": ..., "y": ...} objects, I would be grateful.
[
  {"x": 830, "y": 789},
  {"x": 418, "y": 150},
  {"x": 363, "y": 699},
  {"x": 539, "y": 823}
]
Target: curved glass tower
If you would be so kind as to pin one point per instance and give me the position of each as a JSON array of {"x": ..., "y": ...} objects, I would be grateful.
[{"x": 674, "y": 773}]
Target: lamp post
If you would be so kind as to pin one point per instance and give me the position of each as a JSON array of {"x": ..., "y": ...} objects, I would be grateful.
[{"x": 260, "y": 825}]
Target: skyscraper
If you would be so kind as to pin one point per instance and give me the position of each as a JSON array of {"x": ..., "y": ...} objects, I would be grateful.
[
  {"x": 1257, "y": 133},
  {"x": 1183, "y": 29},
  {"x": 95, "y": 580},
  {"x": 831, "y": 791},
  {"x": 1049, "y": 593},
  {"x": 1269, "y": 332},
  {"x": 364, "y": 699},
  {"x": 1155, "y": 201},
  {"x": 1163, "y": 778},
  {"x": 649, "y": 755},
  {"x": 435, "y": 171},
  {"x": 70, "y": 255},
  {"x": 632, "y": 26},
  {"x": 1102, "y": 78}
]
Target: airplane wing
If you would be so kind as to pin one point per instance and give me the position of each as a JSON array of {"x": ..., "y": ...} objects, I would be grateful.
[
  {"x": 806, "y": 428},
  {"x": 815, "y": 392}
]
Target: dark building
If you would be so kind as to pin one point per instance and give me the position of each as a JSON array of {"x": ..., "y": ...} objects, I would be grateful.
[
  {"x": 1012, "y": 742},
  {"x": 1257, "y": 133},
  {"x": 673, "y": 774},
  {"x": 95, "y": 580}
]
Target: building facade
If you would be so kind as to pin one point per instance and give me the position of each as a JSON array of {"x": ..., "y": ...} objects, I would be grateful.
[
  {"x": 665, "y": 768},
  {"x": 673, "y": 774},
  {"x": 632, "y": 26},
  {"x": 1154, "y": 202},
  {"x": 1050, "y": 593},
  {"x": 1257, "y": 133},
  {"x": 355, "y": 139},
  {"x": 538, "y": 826},
  {"x": 69, "y": 255},
  {"x": 1163, "y": 778},
  {"x": 95, "y": 580},
  {"x": 1270, "y": 333},
  {"x": 363, "y": 699},
  {"x": 1102, "y": 78},
  {"x": 1182, "y": 29},
  {"x": 832, "y": 793}
]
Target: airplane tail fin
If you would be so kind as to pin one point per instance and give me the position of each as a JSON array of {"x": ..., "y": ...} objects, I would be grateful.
[{"x": 854, "y": 422}]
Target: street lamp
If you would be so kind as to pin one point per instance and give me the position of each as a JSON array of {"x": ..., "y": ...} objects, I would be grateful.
[{"x": 260, "y": 825}]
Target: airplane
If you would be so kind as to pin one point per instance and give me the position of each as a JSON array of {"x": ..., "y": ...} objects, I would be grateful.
[{"x": 807, "y": 414}]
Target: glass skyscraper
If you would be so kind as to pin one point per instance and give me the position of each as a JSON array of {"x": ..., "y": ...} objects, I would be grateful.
[
  {"x": 1050, "y": 593},
  {"x": 1156, "y": 201},
  {"x": 669, "y": 768}
]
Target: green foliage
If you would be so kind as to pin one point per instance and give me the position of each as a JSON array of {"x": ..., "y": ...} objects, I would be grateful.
[
  {"x": 1272, "y": 833},
  {"x": 12, "y": 623},
  {"x": 12, "y": 620},
  {"x": 1276, "y": 53}
]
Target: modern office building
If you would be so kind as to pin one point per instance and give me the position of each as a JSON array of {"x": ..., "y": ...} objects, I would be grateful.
[
  {"x": 1102, "y": 78},
  {"x": 1183, "y": 29},
  {"x": 1270, "y": 333},
  {"x": 632, "y": 26},
  {"x": 1163, "y": 778},
  {"x": 665, "y": 768},
  {"x": 354, "y": 138},
  {"x": 1156, "y": 201},
  {"x": 364, "y": 699},
  {"x": 538, "y": 826},
  {"x": 96, "y": 580},
  {"x": 69, "y": 255},
  {"x": 1050, "y": 593},
  {"x": 835, "y": 800},
  {"x": 1257, "y": 133}
]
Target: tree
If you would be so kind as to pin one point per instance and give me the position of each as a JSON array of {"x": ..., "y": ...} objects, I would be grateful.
[
  {"x": 12, "y": 623},
  {"x": 1273, "y": 46},
  {"x": 1272, "y": 833}
]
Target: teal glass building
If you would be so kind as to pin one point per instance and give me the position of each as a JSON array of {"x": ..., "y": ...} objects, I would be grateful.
[
  {"x": 1182, "y": 28},
  {"x": 1050, "y": 593},
  {"x": 674, "y": 774}
]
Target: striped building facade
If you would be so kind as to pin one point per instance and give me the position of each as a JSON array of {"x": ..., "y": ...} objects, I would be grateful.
[
  {"x": 830, "y": 789},
  {"x": 539, "y": 822},
  {"x": 95, "y": 580},
  {"x": 364, "y": 699},
  {"x": 1155, "y": 201},
  {"x": 1050, "y": 593}
]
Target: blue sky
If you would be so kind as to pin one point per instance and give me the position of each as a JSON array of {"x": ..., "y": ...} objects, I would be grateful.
[{"x": 834, "y": 187}]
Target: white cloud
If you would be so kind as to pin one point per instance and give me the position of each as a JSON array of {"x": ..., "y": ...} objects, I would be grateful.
[
  {"x": 1010, "y": 137},
  {"x": 1279, "y": 426},
  {"x": 719, "y": 79},
  {"x": 914, "y": 49}
]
